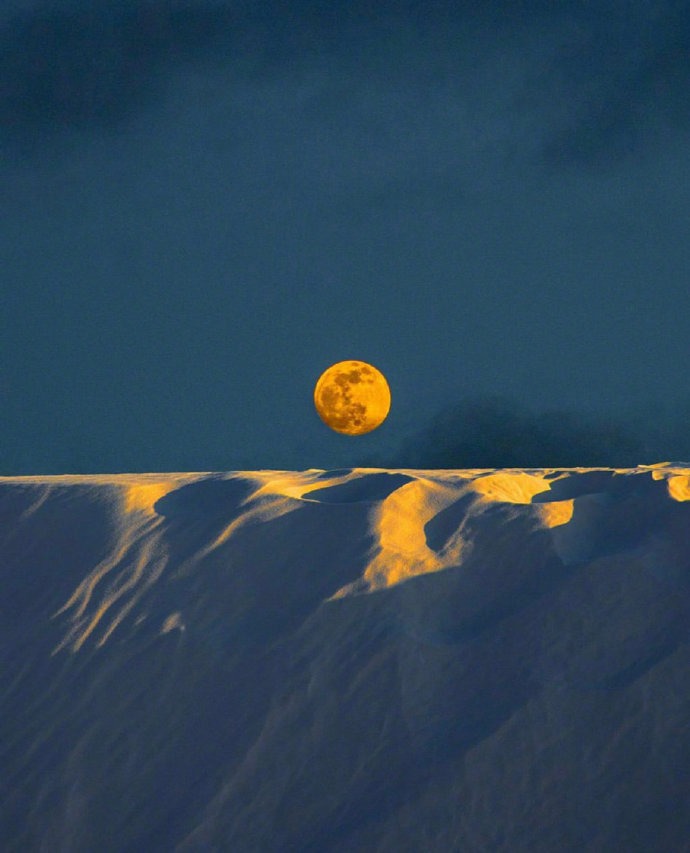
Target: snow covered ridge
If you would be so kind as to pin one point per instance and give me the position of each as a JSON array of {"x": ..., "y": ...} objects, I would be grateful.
[
  {"x": 346, "y": 660},
  {"x": 156, "y": 527}
]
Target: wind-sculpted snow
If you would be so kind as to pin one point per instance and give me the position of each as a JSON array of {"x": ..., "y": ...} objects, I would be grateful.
[{"x": 359, "y": 659}]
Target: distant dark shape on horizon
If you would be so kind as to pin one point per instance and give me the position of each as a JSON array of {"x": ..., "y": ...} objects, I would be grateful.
[{"x": 497, "y": 432}]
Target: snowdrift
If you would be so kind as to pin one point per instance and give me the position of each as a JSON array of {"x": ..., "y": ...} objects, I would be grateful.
[{"x": 346, "y": 660}]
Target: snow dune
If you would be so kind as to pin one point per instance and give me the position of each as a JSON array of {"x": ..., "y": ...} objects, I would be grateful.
[{"x": 346, "y": 660}]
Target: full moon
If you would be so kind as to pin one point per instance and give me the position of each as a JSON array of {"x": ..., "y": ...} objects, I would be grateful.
[{"x": 352, "y": 397}]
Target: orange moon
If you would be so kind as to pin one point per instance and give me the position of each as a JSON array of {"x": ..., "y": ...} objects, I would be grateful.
[{"x": 352, "y": 397}]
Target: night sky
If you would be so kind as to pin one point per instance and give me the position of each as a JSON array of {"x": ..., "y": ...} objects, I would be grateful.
[{"x": 205, "y": 204}]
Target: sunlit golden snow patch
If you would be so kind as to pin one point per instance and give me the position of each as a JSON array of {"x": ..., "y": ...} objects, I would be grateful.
[
  {"x": 401, "y": 551},
  {"x": 510, "y": 487},
  {"x": 172, "y": 623},
  {"x": 556, "y": 513},
  {"x": 677, "y": 480},
  {"x": 114, "y": 587},
  {"x": 679, "y": 487},
  {"x": 141, "y": 497}
]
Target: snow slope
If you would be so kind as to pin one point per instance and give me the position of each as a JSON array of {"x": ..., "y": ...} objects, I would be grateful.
[{"x": 346, "y": 660}]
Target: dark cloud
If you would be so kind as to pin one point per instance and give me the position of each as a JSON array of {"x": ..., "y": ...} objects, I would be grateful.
[
  {"x": 96, "y": 65},
  {"x": 621, "y": 82},
  {"x": 596, "y": 76},
  {"x": 496, "y": 432}
]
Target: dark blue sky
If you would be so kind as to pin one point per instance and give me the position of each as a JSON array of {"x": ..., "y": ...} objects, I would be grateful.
[{"x": 204, "y": 204}]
